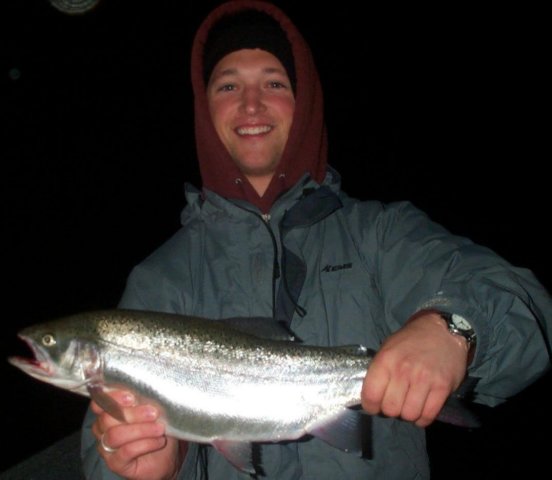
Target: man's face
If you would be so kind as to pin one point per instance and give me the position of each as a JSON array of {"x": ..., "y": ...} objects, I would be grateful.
[{"x": 251, "y": 104}]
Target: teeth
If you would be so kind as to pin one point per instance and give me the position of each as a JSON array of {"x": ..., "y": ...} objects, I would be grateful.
[{"x": 254, "y": 130}]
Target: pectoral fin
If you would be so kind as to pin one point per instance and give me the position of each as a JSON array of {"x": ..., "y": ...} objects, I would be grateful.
[{"x": 98, "y": 394}]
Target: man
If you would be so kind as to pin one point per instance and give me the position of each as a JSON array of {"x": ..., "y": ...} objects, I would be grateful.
[{"x": 271, "y": 234}]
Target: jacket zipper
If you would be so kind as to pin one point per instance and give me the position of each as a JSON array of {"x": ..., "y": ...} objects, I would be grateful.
[
  {"x": 276, "y": 266},
  {"x": 277, "y": 271},
  {"x": 265, "y": 217}
]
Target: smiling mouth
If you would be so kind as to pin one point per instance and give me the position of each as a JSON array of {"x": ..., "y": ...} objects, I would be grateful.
[{"x": 256, "y": 130}]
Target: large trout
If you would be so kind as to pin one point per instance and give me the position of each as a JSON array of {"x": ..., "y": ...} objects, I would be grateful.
[{"x": 212, "y": 380}]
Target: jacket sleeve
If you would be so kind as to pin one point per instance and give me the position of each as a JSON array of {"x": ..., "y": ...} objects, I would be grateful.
[{"x": 421, "y": 265}]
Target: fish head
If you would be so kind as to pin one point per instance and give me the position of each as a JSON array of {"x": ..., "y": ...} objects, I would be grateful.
[{"x": 58, "y": 358}]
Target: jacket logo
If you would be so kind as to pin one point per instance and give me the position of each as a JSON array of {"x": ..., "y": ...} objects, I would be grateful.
[{"x": 335, "y": 268}]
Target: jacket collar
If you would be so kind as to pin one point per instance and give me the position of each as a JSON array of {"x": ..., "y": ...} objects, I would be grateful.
[{"x": 209, "y": 203}]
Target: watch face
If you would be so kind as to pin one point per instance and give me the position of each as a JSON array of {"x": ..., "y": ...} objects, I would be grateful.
[{"x": 460, "y": 322}]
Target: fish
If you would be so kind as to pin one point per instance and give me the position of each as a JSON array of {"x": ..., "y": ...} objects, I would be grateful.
[{"x": 230, "y": 383}]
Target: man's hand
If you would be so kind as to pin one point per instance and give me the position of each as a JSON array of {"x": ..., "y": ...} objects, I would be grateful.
[
  {"x": 415, "y": 371},
  {"x": 141, "y": 450}
]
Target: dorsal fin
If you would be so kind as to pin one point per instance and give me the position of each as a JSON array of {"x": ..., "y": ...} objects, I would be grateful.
[
  {"x": 262, "y": 327},
  {"x": 357, "y": 350}
]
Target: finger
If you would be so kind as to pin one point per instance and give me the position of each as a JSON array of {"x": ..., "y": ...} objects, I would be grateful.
[
  {"x": 105, "y": 421},
  {"x": 130, "y": 442},
  {"x": 414, "y": 402},
  {"x": 133, "y": 415},
  {"x": 120, "y": 435},
  {"x": 131, "y": 451},
  {"x": 394, "y": 396},
  {"x": 126, "y": 400},
  {"x": 141, "y": 414},
  {"x": 373, "y": 388},
  {"x": 133, "y": 457},
  {"x": 434, "y": 403},
  {"x": 122, "y": 397},
  {"x": 96, "y": 408}
]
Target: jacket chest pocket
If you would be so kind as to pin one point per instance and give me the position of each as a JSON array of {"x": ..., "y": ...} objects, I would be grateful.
[
  {"x": 343, "y": 306},
  {"x": 236, "y": 282}
]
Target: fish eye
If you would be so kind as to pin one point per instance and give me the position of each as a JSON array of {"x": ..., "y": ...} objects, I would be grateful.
[{"x": 48, "y": 340}]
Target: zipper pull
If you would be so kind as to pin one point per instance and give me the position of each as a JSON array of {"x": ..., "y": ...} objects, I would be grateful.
[{"x": 265, "y": 217}]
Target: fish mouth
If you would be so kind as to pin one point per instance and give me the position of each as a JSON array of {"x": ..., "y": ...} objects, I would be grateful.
[{"x": 37, "y": 366}]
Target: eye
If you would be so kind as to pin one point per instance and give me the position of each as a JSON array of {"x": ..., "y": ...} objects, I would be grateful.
[
  {"x": 227, "y": 87},
  {"x": 275, "y": 84},
  {"x": 48, "y": 340}
]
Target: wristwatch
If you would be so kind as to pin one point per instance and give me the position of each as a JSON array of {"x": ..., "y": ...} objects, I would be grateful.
[{"x": 458, "y": 325}]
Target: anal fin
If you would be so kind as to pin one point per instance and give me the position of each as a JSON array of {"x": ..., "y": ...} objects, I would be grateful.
[{"x": 345, "y": 431}]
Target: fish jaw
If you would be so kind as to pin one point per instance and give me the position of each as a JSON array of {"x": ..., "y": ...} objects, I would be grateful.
[
  {"x": 42, "y": 368},
  {"x": 39, "y": 367}
]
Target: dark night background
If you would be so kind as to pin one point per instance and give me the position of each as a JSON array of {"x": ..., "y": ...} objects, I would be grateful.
[{"x": 430, "y": 106}]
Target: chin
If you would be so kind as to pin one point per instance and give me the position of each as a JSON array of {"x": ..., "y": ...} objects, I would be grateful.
[{"x": 256, "y": 169}]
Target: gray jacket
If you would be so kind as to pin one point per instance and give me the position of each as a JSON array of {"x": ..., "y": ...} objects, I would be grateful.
[{"x": 340, "y": 271}]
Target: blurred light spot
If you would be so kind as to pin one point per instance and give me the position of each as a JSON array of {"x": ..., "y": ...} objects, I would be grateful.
[
  {"x": 14, "y": 73},
  {"x": 74, "y": 7}
]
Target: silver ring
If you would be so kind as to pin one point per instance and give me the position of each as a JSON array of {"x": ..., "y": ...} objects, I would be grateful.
[{"x": 106, "y": 448}]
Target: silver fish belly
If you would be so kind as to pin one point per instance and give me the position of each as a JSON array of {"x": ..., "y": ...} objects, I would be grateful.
[{"x": 216, "y": 383}]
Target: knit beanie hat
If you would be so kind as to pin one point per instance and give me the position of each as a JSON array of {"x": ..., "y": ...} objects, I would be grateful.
[{"x": 247, "y": 29}]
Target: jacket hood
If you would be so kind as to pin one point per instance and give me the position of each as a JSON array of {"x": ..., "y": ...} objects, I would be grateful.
[{"x": 306, "y": 148}]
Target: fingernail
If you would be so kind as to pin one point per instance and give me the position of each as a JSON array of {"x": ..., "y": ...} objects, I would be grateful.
[
  {"x": 128, "y": 399},
  {"x": 150, "y": 413},
  {"x": 160, "y": 429}
]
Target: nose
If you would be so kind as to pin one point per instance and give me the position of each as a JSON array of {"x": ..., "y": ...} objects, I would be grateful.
[{"x": 252, "y": 100}]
